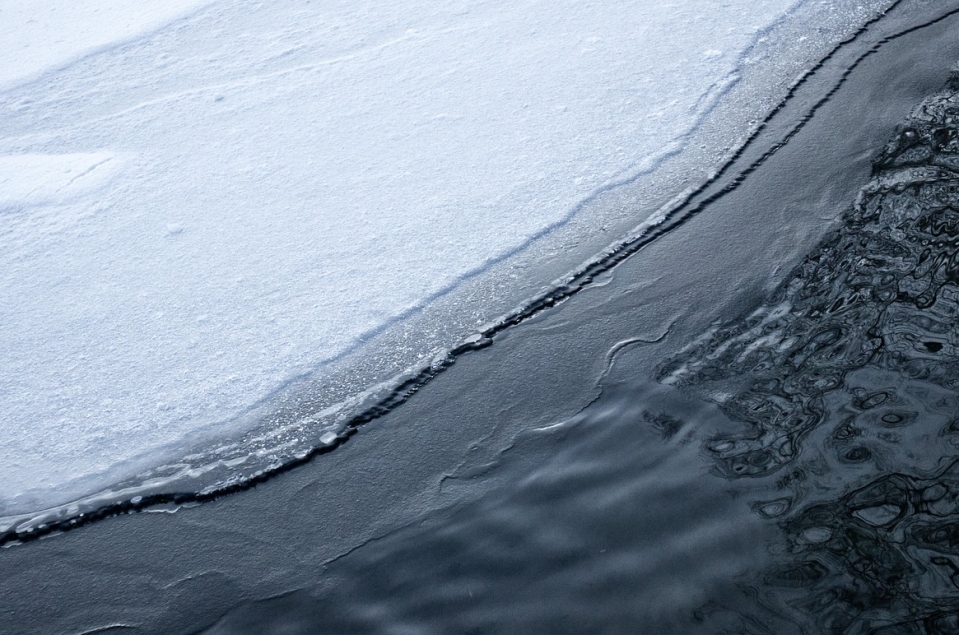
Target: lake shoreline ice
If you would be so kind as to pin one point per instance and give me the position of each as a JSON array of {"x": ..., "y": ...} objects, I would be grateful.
[{"x": 162, "y": 428}]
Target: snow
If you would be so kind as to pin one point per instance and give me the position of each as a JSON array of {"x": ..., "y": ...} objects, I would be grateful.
[
  {"x": 38, "y": 179},
  {"x": 38, "y": 36},
  {"x": 196, "y": 214}
]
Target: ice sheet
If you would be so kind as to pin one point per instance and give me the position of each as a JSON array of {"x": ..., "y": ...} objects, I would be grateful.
[{"x": 197, "y": 217}]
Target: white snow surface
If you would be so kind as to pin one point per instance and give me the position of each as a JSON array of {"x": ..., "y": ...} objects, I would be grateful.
[
  {"x": 38, "y": 35},
  {"x": 194, "y": 216}
]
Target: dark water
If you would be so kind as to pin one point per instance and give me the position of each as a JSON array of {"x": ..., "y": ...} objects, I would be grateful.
[
  {"x": 846, "y": 383},
  {"x": 792, "y": 470}
]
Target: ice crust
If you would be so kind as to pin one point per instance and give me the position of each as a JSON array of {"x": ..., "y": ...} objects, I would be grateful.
[{"x": 195, "y": 217}]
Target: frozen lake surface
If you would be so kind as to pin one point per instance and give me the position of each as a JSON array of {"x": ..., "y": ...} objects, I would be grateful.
[
  {"x": 205, "y": 202},
  {"x": 746, "y": 426}
]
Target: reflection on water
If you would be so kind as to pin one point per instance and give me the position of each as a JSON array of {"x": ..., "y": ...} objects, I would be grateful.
[
  {"x": 828, "y": 500},
  {"x": 847, "y": 383}
]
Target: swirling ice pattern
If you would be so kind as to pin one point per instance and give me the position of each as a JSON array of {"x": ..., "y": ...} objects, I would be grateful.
[{"x": 846, "y": 382}]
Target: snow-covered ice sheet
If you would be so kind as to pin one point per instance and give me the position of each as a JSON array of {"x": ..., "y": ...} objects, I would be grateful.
[
  {"x": 38, "y": 35},
  {"x": 193, "y": 218}
]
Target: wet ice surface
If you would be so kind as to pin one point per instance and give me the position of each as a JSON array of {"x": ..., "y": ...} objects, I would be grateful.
[{"x": 197, "y": 218}]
